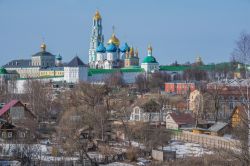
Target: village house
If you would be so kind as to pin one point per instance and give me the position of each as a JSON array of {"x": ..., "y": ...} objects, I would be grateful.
[
  {"x": 232, "y": 92},
  {"x": 179, "y": 87},
  {"x": 179, "y": 120},
  {"x": 238, "y": 116},
  {"x": 218, "y": 129},
  {"x": 17, "y": 121},
  {"x": 139, "y": 114}
]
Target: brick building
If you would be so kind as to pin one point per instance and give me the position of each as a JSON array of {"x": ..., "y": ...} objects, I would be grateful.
[{"x": 179, "y": 87}]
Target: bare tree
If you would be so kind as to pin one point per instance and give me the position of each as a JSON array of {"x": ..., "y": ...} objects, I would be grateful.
[
  {"x": 88, "y": 107},
  {"x": 115, "y": 80},
  {"x": 119, "y": 103},
  {"x": 39, "y": 97},
  {"x": 195, "y": 74},
  {"x": 241, "y": 52},
  {"x": 216, "y": 99},
  {"x": 141, "y": 83},
  {"x": 198, "y": 108},
  {"x": 151, "y": 137},
  {"x": 158, "y": 79}
]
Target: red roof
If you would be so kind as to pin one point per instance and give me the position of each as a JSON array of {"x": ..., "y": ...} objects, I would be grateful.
[
  {"x": 8, "y": 106},
  {"x": 182, "y": 118}
]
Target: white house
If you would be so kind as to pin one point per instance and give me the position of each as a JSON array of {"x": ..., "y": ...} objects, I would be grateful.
[
  {"x": 138, "y": 114},
  {"x": 76, "y": 71}
]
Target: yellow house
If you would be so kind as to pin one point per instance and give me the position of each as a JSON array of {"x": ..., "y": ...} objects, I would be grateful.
[{"x": 238, "y": 115}]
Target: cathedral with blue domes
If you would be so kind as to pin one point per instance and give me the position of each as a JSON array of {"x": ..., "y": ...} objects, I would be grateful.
[
  {"x": 105, "y": 58},
  {"x": 112, "y": 56}
]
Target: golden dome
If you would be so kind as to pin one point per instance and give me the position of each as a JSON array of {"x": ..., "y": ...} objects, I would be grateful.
[
  {"x": 131, "y": 52},
  {"x": 43, "y": 47},
  {"x": 97, "y": 15},
  {"x": 114, "y": 40}
]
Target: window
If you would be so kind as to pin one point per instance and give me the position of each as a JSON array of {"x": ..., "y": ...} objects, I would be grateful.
[
  {"x": 9, "y": 134},
  {"x": 3, "y": 134},
  {"x": 137, "y": 111},
  {"x": 22, "y": 134},
  {"x": 231, "y": 106},
  {"x": 136, "y": 117}
]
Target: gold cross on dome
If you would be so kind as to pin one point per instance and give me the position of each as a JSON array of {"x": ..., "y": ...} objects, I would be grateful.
[{"x": 113, "y": 29}]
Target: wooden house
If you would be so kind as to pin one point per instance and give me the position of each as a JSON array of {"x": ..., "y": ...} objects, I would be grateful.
[
  {"x": 179, "y": 120},
  {"x": 239, "y": 115},
  {"x": 17, "y": 121}
]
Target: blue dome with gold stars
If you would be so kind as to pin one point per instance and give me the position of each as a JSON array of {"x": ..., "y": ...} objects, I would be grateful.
[
  {"x": 111, "y": 48},
  {"x": 125, "y": 48},
  {"x": 101, "y": 48}
]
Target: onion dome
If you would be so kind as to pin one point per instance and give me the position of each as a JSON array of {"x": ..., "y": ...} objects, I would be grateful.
[
  {"x": 131, "y": 52},
  {"x": 43, "y": 51},
  {"x": 198, "y": 60},
  {"x": 3, "y": 71},
  {"x": 58, "y": 57},
  {"x": 97, "y": 16},
  {"x": 114, "y": 40},
  {"x": 101, "y": 48},
  {"x": 149, "y": 59},
  {"x": 136, "y": 53},
  {"x": 111, "y": 48},
  {"x": 125, "y": 48},
  {"x": 43, "y": 47}
]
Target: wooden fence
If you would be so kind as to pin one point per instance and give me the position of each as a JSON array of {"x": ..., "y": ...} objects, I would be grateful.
[{"x": 206, "y": 140}]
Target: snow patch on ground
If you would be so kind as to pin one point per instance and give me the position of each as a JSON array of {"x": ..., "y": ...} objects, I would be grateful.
[
  {"x": 187, "y": 149},
  {"x": 117, "y": 164}
]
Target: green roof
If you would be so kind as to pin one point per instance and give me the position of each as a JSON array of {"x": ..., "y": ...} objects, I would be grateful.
[
  {"x": 174, "y": 68},
  {"x": 205, "y": 67},
  {"x": 132, "y": 69},
  {"x": 3, "y": 71},
  {"x": 183, "y": 68},
  {"x": 102, "y": 71},
  {"x": 107, "y": 71},
  {"x": 149, "y": 59}
]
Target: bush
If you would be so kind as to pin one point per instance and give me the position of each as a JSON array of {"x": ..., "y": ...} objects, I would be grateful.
[{"x": 131, "y": 154}]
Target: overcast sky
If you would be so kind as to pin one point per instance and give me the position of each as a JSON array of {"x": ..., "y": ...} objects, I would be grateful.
[{"x": 177, "y": 29}]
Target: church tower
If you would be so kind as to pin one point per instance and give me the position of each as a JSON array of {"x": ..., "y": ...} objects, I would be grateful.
[
  {"x": 96, "y": 36},
  {"x": 132, "y": 58},
  {"x": 149, "y": 63}
]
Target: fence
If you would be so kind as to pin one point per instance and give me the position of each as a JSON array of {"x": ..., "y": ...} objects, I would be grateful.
[{"x": 206, "y": 140}]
